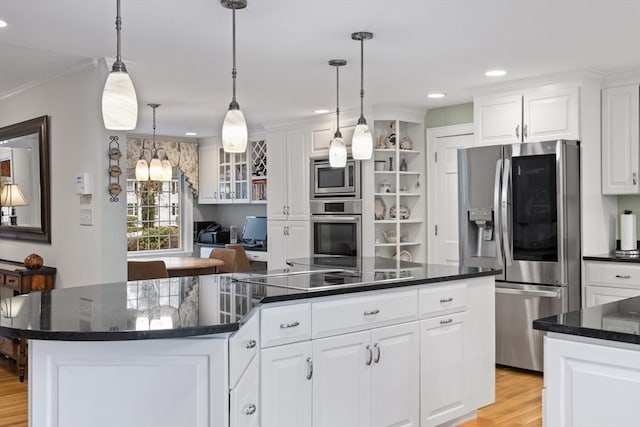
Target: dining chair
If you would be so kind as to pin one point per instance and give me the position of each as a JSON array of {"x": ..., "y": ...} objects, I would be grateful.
[
  {"x": 242, "y": 262},
  {"x": 226, "y": 255},
  {"x": 143, "y": 270}
]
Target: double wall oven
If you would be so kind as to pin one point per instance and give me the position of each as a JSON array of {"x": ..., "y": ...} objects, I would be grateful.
[{"x": 336, "y": 209}]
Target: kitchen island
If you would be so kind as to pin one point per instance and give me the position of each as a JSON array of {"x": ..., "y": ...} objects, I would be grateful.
[
  {"x": 592, "y": 366},
  {"x": 385, "y": 343}
]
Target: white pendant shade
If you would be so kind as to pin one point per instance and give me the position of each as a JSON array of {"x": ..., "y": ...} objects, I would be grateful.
[
  {"x": 119, "y": 102},
  {"x": 337, "y": 153},
  {"x": 167, "y": 170},
  {"x": 234, "y": 132},
  {"x": 362, "y": 143},
  {"x": 142, "y": 170},
  {"x": 155, "y": 170}
]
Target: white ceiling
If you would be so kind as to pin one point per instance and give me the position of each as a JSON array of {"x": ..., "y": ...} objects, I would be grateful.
[{"x": 178, "y": 52}]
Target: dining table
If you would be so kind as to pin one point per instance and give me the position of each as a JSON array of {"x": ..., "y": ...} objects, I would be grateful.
[{"x": 189, "y": 266}]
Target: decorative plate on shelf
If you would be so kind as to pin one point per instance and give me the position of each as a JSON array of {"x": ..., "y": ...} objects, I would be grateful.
[
  {"x": 405, "y": 255},
  {"x": 406, "y": 143},
  {"x": 402, "y": 213}
]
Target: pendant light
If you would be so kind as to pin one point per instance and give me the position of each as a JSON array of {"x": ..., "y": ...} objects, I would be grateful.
[
  {"x": 362, "y": 142},
  {"x": 337, "y": 149},
  {"x": 119, "y": 101},
  {"x": 157, "y": 170},
  {"x": 234, "y": 127},
  {"x": 155, "y": 167}
]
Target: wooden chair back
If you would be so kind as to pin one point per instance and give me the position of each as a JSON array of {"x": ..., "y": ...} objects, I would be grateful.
[
  {"x": 226, "y": 255},
  {"x": 242, "y": 262},
  {"x": 144, "y": 270}
]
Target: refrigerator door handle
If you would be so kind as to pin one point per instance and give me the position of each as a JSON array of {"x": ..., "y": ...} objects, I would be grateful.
[
  {"x": 528, "y": 293},
  {"x": 496, "y": 212},
  {"x": 504, "y": 223}
]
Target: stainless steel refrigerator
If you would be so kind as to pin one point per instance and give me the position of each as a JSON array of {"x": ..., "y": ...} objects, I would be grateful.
[{"x": 519, "y": 210}]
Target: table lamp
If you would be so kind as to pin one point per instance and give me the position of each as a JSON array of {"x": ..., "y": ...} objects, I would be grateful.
[
  {"x": 12, "y": 196},
  {"x": 11, "y": 307}
]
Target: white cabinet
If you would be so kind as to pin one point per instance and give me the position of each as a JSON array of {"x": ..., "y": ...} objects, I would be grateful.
[
  {"x": 287, "y": 239},
  {"x": 288, "y": 190},
  {"x": 540, "y": 114},
  {"x": 620, "y": 140},
  {"x": 286, "y": 386},
  {"x": 442, "y": 369},
  {"x": 244, "y": 405},
  {"x": 208, "y": 179},
  {"x": 610, "y": 281},
  {"x": 223, "y": 177}
]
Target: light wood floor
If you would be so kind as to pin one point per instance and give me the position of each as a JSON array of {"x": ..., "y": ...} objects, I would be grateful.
[{"x": 518, "y": 400}]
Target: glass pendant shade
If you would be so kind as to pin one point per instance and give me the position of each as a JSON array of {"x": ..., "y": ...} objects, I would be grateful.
[
  {"x": 155, "y": 169},
  {"x": 234, "y": 132},
  {"x": 119, "y": 102},
  {"x": 142, "y": 170},
  {"x": 362, "y": 142},
  {"x": 167, "y": 170},
  {"x": 337, "y": 153}
]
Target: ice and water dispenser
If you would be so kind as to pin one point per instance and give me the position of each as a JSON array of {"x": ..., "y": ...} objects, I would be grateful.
[{"x": 481, "y": 229}]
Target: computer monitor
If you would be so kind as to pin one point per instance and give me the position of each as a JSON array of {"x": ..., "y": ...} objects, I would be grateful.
[{"x": 255, "y": 229}]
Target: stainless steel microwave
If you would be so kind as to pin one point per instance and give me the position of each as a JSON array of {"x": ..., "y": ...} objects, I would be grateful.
[{"x": 328, "y": 182}]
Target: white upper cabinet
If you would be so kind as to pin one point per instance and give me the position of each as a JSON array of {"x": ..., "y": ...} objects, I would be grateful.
[
  {"x": 208, "y": 170},
  {"x": 540, "y": 114},
  {"x": 620, "y": 140}
]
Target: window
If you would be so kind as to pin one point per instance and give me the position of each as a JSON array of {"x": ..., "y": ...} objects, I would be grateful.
[{"x": 153, "y": 214}]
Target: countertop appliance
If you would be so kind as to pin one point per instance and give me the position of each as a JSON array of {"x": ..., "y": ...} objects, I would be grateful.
[
  {"x": 519, "y": 211},
  {"x": 330, "y": 183},
  {"x": 336, "y": 227}
]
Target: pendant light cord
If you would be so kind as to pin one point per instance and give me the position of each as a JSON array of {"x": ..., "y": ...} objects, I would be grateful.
[
  {"x": 362, "y": 78},
  {"x": 154, "y": 131},
  {"x": 234, "y": 103},
  {"x": 118, "y": 65},
  {"x": 338, "y": 134}
]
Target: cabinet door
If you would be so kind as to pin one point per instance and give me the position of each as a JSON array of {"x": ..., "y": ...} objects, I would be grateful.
[
  {"x": 241, "y": 178},
  {"x": 285, "y": 389},
  {"x": 298, "y": 239},
  {"x": 276, "y": 194},
  {"x": 208, "y": 168},
  {"x": 551, "y": 114},
  {"x": 498, "y": 120},
  {"x": 244, "y": 407},
  {"x": 442, "y": 369},
  {"x": 342, "y": 381},
  {"x": 620, "y": 140},
  {"x": 277, "y": 253},
  {"x": 321, "y": 135},
  {"x": 597, "y": 295},
  {"x": 225, "y": 176},
  {"x": 297, "y": 183},
  {"x": 395, "y": 376}
]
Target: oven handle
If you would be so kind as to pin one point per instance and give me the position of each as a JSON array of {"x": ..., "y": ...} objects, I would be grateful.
[
  {"x": 335, "y": 218},
  {"x": 528, "y": 293}
]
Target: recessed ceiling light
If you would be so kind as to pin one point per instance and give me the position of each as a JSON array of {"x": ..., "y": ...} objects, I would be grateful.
[
  {"x": 3, "y": 23},
  {"x": 191, "y": 133},
  {"x": 321, "y": 111},
  {"x": 436, "y": 95},
  {"x": 495, "y": 73}
]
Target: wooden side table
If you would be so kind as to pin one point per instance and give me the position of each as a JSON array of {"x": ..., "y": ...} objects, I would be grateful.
[{"x": 15, "y": 279}]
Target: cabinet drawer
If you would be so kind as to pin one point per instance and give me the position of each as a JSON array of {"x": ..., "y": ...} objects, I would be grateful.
[
  {"x": 285, "y": 324},
  {"x": 257, "y": 256},
  {"x": 12, "y": 281},
  {"x": 358, "y": 313},
  {"x": 437, "y": 300},
  {"x": 243, "y": 346},
  {"x": 614, "y": 273},
  {"x": 244, "y": 405}
]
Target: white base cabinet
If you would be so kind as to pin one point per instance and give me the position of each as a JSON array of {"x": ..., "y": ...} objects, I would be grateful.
[
  {"x": 610, "y": 281},
  {"x": 287, "y": 239}
]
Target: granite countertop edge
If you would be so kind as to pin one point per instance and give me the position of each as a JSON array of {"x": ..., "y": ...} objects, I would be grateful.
[
  {"x": 611, "y": 258},
  {"x": 550, "y": 324}
]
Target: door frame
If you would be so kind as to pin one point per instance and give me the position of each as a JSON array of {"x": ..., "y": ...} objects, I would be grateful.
[{"x": 432, "y": 137}]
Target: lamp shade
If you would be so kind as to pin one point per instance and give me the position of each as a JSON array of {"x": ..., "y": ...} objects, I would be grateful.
[
  {"x": 119, "y": 102},
  {"x": 12, "y": 196},
  {"x": 234, "y": 132},
  {"x": 11, "y": 306},
  {"x": 167, "y": 170},
  {"x": 337, "y": 153},
  {"x": 362, "y": 143},
  {"x": 155, "y": 169},
  {"x": 142, "y": 170}
]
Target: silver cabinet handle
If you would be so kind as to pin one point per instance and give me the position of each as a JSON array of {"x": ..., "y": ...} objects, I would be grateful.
[
  {"x": 289, "y": 325},
  {"x": 369, "y": 356},
  {"x": 517, "y": 131},
  {"x": 371, "y": 312},
  {"x": 250, "y": 409},
  {"x": 445, "y": 300},
  {"x": 446, "y": 321},
  {"x": 525, "y": 133},
  {"x": 623, "y": 276},
  {"x": 309, "y": 368},
  {"x": 635, "y": 178},
  {"x": 215, "y": 195},
  {"x": 284, "y": 210},
  {"x": 288, "y": 210},
  {"x": 377, "y": 348},
  {"x": 250, "y": 344}
]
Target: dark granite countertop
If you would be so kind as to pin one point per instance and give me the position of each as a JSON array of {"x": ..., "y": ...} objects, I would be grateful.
[
  {"x": 614, "y": 321},
  {"x": 611, "y": 258},
  {"x": 187, "y": 306}
]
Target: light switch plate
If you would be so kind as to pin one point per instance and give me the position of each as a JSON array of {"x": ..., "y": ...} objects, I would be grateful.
[{"x": 86, "y": 216}]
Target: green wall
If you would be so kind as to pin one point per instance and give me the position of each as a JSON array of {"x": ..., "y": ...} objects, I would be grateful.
[{"x": 451, "y": 115}]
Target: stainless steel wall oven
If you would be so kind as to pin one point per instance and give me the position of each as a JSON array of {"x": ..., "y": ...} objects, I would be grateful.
[{"x": 336, "y": 227}]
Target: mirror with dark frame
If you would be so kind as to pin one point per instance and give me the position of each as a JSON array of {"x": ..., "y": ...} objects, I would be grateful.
[{"x": 25, "y": 206}]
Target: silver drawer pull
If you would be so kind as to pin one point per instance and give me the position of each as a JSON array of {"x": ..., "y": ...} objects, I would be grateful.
[
  {"x": 623, "y": 276},
  {"x": 250, "y": 409},
  {"x": 371, "y": 312},
  {"x": 446, "y": 300},
  {"x": 446, "y": 322},
  {"x": 289, "y": 325},
  {"x": 251, "y": 344},
  {"x": 377, "y": 349}
]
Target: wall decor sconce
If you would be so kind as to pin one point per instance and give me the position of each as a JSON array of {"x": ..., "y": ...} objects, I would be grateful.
[{"x": 114, "y": 169}]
